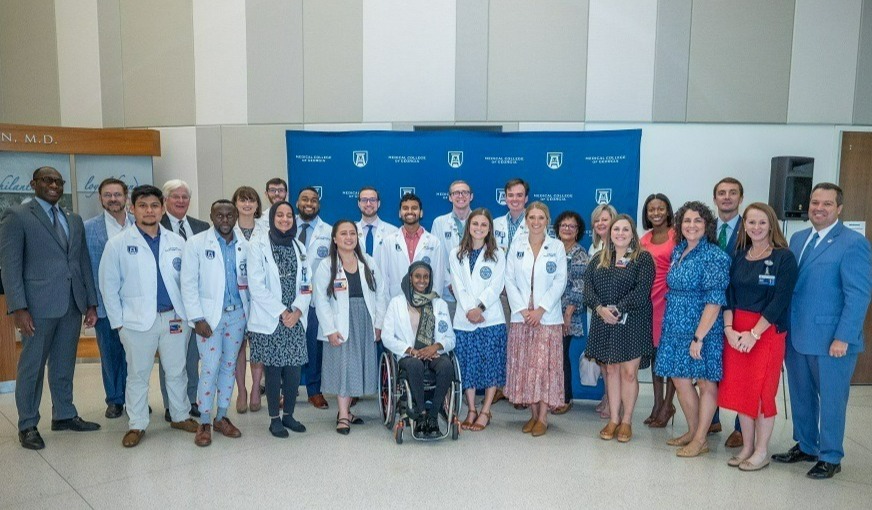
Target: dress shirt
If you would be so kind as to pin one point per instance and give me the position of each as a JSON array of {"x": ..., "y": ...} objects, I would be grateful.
[
  {"x": 231, "y": 286},
  {"x": 412, "y": 241},
  {"x": 47, "y": 208},
  {"x": 164, "y": 303},
  {"x": 112, "y": 226}
]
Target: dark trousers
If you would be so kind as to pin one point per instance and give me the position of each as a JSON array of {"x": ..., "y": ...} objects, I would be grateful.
[
  {"x": 567, "y": 371},
  {"x": 414, "y": 368},
  {"x": 192, "y": 367},
  {"x": 315, "y": 347},
  {"x": 281, "y": 381},
  {"x": 112, "y": 361},
  {"x": 53, "y": 344}
]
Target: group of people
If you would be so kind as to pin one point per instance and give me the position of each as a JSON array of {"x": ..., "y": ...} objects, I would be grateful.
[{"x": 713, "y": 303}]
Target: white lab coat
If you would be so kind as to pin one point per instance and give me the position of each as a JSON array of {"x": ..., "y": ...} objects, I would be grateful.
[
  {"x": 397, "y": 334},
  {"x": 333, "y": 311},
  {"x": 203, "y": 280},
  {"x": 265, "y": 288},
  {"x": 501, "y": 231},
  {"x": 128, "y": 278},
  {"x": 484, "y": 286},
  {"x": 318, "y": 245},
  {"x": 380, "y": 232},
  {"x": 445, "y": 229},
  {"x": 547, "y": 277},
  {"x": 394, "y": 261}
]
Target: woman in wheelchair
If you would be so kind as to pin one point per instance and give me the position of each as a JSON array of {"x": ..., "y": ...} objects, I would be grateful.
[{"x": 417, "y": 329}]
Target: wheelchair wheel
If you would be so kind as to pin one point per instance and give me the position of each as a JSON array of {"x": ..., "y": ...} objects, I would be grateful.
[
  {"x": 386, "y": 382},
  {"x": 455, "y": 430},
  {"x": 398, "y": 433}
]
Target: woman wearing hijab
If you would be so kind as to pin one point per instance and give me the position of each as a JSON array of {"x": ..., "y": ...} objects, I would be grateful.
[
  {"x": 417, "y": 329},
  {"x": 279, "y": 282}
]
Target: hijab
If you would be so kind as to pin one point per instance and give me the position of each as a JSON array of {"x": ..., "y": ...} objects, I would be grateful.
[
  {"x": 277, "y": 236},
  {"x": 423, "y": 302}
]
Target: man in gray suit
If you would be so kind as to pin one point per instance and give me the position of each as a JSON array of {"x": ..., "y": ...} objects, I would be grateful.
[
  {"x": 49, "y": 285},
  {"x": 177, "y": 195},
  {"x": 98, "y": 230}
]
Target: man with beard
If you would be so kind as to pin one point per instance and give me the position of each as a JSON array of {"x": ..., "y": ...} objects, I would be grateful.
[
  {"x": 99, "y": 229},
  {"x": 409, "y": 244},
  {"x": 314, "y": 234},
  {"x": 448, "y": 228},
  {"x": 276, "y": 191},
  {"x": 371, "y": 230},
  {"x": 215, "y": 291},
  {"x": 177, "y": 195},
  {"x": 48, "y": 284}
]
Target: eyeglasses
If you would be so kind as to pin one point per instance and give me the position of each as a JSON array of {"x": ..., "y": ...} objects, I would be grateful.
[
  {"x": 568, "y": 226},
  {"x": 367, "y": 200},
  {"x": 48, "y": 181},
  {"x": 276, "y": 191},
  {"x": 460, "y": 193}
]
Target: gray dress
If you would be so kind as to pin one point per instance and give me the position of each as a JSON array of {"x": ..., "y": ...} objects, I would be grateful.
[
  {"x": 350, "y": 370},
  {"x": 286, "y": 346}
]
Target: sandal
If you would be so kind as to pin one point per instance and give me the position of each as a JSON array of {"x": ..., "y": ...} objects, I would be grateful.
[
  {"x": 343, "y": 426},
  {"x": 478, "y": 427},
  {"x": 355, "y": 420},
  {"x": 467, "y": 423},
  {"x": 242, "y": 402}
]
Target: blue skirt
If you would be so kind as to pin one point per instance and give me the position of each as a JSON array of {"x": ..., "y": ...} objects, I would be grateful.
[{"x": 482, "y": 356}]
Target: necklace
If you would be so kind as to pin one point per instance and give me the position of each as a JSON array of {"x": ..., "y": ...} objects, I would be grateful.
[{"x": 762, "y": 254}]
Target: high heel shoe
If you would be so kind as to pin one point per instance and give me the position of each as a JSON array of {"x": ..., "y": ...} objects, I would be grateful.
[
  {"x": 242, "y": 402},
  {"x": 670, "y": 416},
  {"x": 478, "y": 427},
  {"x": 469, "y": 422}
]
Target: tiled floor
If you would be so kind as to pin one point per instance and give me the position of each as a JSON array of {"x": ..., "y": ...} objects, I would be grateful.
[{"x": 570, "y": 467}]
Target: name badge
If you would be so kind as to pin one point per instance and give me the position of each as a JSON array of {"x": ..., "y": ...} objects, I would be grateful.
[
  {"x": 340, "y": 284},
  {"x": 622, "y": 263},
  {"x": 766, "y": 279},
  {"x": 176, "y": 327},
  {"x": 305, "y": 289}
]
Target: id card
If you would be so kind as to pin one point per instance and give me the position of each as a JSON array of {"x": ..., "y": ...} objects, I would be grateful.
[
  {"x": 621, "y": 263},
  {"x": 340, "y": 284},
  {"x": 766, "y": 279},
  {"x": 305, "y": 288},
  {"x": 176, "y": 326}
]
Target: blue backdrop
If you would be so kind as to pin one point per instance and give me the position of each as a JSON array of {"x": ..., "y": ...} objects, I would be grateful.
[{"x": 567, "y": 170}]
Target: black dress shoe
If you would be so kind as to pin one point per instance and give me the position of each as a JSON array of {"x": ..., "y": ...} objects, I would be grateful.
[
  {"x": 76, "y": 424},
  {"x": 30, "y": 439},
  {"x": 114, "y": 411},
  {"x": 794, "y": 455},
  {"x": 823, "y": 470},
  {"x": 294, "y": 425},
  {"x": 167, "y": 417},
  {"x": 195, "y": 410}
]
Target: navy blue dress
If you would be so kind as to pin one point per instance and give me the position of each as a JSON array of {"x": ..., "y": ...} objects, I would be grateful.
[{"x": 700, "y": 279}]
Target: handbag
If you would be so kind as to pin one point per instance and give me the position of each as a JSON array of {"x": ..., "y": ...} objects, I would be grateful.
[{"x": 589, "y": 372}]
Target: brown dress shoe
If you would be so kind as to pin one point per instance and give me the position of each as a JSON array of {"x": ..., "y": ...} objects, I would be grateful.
[
  {"x": 499, "y": 395},
  {"x": 624, "y": 433},
  {"x": 528, "y": 427},
  {"x": 608, "y": 432},
  {"x": 562, "y": 409},
  {"x": 189, "y": 425},
  {"x": 318, "y": 401},
  {"x": 734, "y": 440},
  {"x": 132, "y": 438},
  {"x": 226, "y": 428},
  {"x": 204, "y": 435},
  {"x": 539, "y": 429}
]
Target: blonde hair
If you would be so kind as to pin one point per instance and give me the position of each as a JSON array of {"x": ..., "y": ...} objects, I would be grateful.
[
  {"x": 542, "y": 207},
  {"x": 595, "y": 238},
  {"x": 635, "y": 248}
]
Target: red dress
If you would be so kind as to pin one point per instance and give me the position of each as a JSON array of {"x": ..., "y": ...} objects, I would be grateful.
[{"x": 662, "y": 254}]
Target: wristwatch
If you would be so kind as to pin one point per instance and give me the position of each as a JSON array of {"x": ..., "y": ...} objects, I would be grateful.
[
  {"x": 695, "y": 339},
  {"x": 482, "y": 307}
]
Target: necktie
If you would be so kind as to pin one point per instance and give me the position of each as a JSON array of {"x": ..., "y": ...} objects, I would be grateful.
[
  {"x": 182, "y": 229},
  {"x": 809, "y": 248},
  {"x": 59, "y": 228},
  {"x": 369, "y": 240},
  {"x": 304, "y": 228},
  {"x": 722, "y": 237}
]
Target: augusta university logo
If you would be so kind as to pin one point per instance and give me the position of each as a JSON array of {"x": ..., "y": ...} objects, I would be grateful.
[
  {"x": 554, "y": 160},
  {"x": 320, "y": 191},
  {"x": 361, "y": 158},
  {"x": 604, "y": 196},
  {"x": 455, "y": 159},
  {"x": 406, "y": 190},
  {"x": 501, "y": 196}
]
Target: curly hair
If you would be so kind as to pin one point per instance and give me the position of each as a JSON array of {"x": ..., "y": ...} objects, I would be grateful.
[
  {"x": 704, "y": 212},
  {"x": 579, "y": 232}
]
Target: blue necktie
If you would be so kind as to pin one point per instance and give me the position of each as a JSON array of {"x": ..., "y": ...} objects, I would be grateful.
[
  {"x": 369, "y": 240},
  {"x": 809, "y": 248}
]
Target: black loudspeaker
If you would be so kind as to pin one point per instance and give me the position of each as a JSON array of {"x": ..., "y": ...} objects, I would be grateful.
[{"x": 790, "y": 186}]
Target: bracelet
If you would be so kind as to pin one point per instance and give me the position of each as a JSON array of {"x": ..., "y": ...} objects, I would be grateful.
[
  {"x": 728, "y": 326},
  {"x": 755, "y": 335}
]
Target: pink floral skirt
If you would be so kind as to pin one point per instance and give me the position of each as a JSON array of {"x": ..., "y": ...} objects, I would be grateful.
[{"x": 534, "y": 365}]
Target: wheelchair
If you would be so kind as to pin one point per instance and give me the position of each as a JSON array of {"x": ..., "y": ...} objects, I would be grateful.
[{"x": 395, "y": 399}]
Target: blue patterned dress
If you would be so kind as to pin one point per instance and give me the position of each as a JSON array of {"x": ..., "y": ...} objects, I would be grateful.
[{"x": 701, "y": 278}]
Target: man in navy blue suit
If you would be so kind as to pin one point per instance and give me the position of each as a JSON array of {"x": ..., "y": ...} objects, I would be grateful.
[
  {"x": 728, "y": 194},
  {"x": 826, "y": 331}
]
